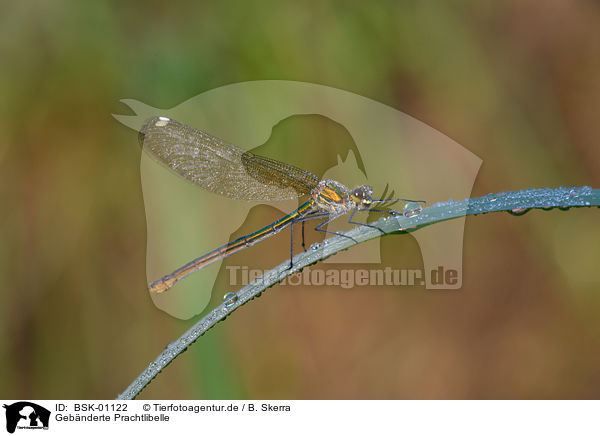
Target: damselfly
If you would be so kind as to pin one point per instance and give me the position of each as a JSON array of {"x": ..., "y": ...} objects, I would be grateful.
[{"x": 227, "y": 170}]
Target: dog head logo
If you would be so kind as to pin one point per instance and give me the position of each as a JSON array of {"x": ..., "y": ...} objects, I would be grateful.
[
  {"x": 26, "y": 415},
  {"x": 397, "y": 154}
]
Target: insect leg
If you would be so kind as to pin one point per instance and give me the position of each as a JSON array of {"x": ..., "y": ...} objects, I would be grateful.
[{"x": 318, "y": 227}]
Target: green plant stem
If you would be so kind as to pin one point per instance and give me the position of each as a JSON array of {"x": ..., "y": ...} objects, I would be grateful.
[{"x": 517, "y": 201}]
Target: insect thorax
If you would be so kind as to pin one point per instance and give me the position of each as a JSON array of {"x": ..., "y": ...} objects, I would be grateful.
[{"x": 332, "y": 196}]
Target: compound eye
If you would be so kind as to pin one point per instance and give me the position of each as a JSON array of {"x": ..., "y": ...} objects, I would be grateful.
[{"x": 358, "y": 193}]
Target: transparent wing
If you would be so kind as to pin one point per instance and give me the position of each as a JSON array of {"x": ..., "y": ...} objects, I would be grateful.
[{"x": 222, "y": 168}]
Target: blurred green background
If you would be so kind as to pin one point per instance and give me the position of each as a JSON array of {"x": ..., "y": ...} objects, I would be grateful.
[{"x": 515, "y": 82}]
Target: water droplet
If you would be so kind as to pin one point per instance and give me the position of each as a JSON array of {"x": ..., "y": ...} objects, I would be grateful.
[
  {"x": 412, "y": 209},
  {"x": 315, "y": 246},
  {"x": 229, "y": 299},
  {"x": 519, "y": 211}
]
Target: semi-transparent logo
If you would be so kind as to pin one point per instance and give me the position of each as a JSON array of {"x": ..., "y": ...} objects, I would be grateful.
[{"x": 390, "y": 151}]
